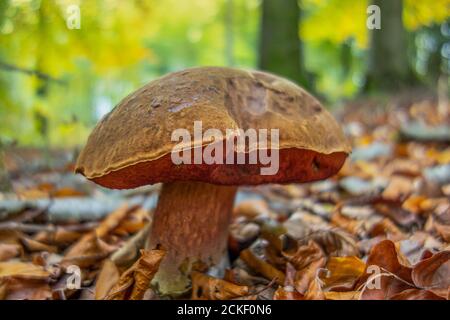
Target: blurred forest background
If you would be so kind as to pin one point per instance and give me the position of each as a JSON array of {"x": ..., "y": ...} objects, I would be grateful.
[
  {"x": 388, "y": 207},
  {"x": 56, "y": 82}
]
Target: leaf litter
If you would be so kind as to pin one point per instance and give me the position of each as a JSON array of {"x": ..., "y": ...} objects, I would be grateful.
[{"x": 379, "y": 229}]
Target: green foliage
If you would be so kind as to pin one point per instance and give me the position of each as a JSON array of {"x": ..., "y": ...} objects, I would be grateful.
[{"x": 64, "y": 79}]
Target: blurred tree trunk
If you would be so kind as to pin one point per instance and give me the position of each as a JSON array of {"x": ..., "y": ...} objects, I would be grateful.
[
  {"x": 5, "y": 184},
  {"x": 435, "y": 62},
  {"x": 280, "y": 49},
  {"x": 346, "y": 56},
  {"x": 388, "y": 68}
]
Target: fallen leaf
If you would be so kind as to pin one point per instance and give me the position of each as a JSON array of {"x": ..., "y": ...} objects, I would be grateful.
[
  {"x": 307, "y": 260},
  {"x": 24, "y": 289},
  {"x": 107, "y": 278},
  {"x": 288, "y": 291},
  {"x": 416, "y": 294},
  {"x": 262, "y": 267},
  {"x": 91, "y": 248},
  {"x": 342, "y": 295},
  {"x": 20, "y": 280},
  {"x": 384, "y": 276},
  {"x": 343, "y": 272},
  {"x": 134, "y": 282},
  {"x": 399, "y": 187},
  {"x": 8, "y": 251},
  {"x": 433, "y": 274},
  {"x": 36, "y": 246},
  {"x": 314, "y": 291},
  {"x": 23, "y": 270},
  {"x": 87, "y": 252},
  {"x": 209, "y": 288}
]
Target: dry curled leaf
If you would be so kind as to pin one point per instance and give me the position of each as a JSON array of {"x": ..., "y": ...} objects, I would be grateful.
[
  {"x": 342, "y": 273},
  {"x": 315, "y": 291},
  {"x": 384, "y": 276},
  {"x": 307, "y": 260},
  {"x": 288, "y": 291},
  {"x": 134, "y": 282},
  {"x": 89, "y": 251},
  {"x": 23, "y": 270},
  {"x": 262, "y": 267},
  {"x": 433, "y": 274},
  {"x": 91, "y": 248},
  {"x": 209, "y": 288},
  {"x": 24, "y": 289},
  {"x": 109, "y": 275},
  {"x": 342, "y": 295},
  {"x": 416, "y": 294},
  {"x": 9, "y": 251},
  {"x": 20, "y": 280}
]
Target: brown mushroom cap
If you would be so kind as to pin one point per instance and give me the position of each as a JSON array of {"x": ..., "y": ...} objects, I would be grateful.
[{"x": 131, "y": 146}]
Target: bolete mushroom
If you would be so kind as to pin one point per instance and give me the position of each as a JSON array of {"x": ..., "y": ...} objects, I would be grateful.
[{"x": 133, "y": 146}]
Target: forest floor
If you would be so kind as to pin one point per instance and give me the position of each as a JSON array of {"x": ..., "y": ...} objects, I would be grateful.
[{"x": 380, "y": 229}]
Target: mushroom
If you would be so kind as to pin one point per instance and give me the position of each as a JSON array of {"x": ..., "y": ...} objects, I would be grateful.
[{"x": 133, "y": 146}]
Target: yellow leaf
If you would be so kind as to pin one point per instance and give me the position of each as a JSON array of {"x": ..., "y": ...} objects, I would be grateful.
[
  {"x": 343, "y": 272},
  {"x": 209, "y": 288},
  {"x": 346, "y": 295}
]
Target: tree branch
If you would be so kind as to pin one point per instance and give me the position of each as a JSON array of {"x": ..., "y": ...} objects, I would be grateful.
[{"x": 37, "y": 73}]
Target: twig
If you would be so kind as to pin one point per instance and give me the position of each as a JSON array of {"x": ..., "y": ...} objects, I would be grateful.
[
  {"x": 37, "y": 73},
  {"x": 11, "y": 225},
  {"x": 33, "y": 228},
  {"x": 33, "y": 214},
  {"x": 258, "y": 292}
]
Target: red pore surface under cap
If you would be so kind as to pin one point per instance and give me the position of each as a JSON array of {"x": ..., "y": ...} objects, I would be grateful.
[{"x": 295, "y": 165}]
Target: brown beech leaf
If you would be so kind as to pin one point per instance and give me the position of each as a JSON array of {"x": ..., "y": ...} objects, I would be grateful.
[
  {"x": 262, "y": 267},
  {"x": 36, "y": 246},
  {"x": 307, "y": 260},
  {"x": 91, "y": 248},
  {"x": 343, "y": 272},
  {"x": 113, "y": 220},
  {"x": 134, "y": 282},
  {"x": 398, "y": 214},
  {"x": 87, "y": 252},
  {"x": 300, "y": 256},
  {"x": 384, "y": 276},
  {"x": 60, "y": 237},
  {"x": 133, "y": 222},
  {"x": 352, "y": 226},
  {"x": 8, "y": 251},
  {"x": 309, "y": 274},
  {"x": 314, "y": 291},
  {"x": 129, "y": 252},
  {"x": 441, "y": 223},
  {"x": 205, "y": 287},
  {"x": 252, "y": 209},
  {"x": 336, "y": 242},
  {"x": 387, "y": 227},
  {"x": 288, "y": 291},
  {"x": 416, "y": 294},
  {"x": 20, "y": 280},
  {"x": 109, "y": 275},
  {"x": 23, "y": 270},
  {"x": 241, "y": 276},
  {"x": 443, "y": 230},
  {"x": 344, "y": 295},
  {"x": 398, "y": 187},
  {"x": 24, "y": 289},
  {"x": 433, "y": 274}
]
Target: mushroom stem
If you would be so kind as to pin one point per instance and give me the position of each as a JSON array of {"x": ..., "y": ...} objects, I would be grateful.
[{"x": 191, "y": 223}]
